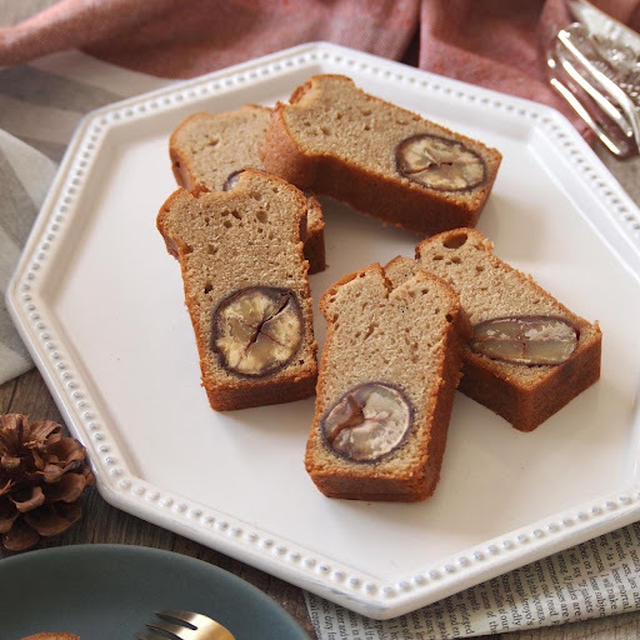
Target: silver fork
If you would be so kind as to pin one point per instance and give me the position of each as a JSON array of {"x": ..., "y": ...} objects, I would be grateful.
[
  {"x": 185, "y": 625},
  {"x": 598, "y": 91}
]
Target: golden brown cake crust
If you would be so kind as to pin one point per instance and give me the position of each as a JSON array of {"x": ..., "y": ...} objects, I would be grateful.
[
  {"x": 411, "y": 472},
  {"x": 382, "y": 193},
  {"x": 524, "y": 395},
  {"x": 225, "y": 242}
]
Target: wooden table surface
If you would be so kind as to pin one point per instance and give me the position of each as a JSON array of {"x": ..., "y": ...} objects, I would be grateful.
[{"x": 103, "y": 523}]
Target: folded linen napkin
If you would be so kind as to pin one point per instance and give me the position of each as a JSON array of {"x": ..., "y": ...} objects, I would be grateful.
[
  {"x": 25, "y": 175},
  {"x": 136, "y": 46}
]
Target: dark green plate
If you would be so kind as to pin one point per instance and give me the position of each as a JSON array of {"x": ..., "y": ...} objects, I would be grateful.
[{"x": 108, "y": 592}]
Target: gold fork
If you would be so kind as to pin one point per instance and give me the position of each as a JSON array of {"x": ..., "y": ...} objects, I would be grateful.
[{"x": 185, "y": 625}]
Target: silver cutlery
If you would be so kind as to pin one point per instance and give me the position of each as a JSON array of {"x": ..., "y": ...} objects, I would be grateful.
[
  {"x": 598, "y": 74},
  {"x": 185, "y": 625}
]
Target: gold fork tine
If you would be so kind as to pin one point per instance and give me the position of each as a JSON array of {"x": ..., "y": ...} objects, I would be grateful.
[
  {"x": 177, "y": 631},
  {"x": 208, "y": 628},
  {"x": 196, "y": 620},
  {"x": 192, "y": 626},
  {"x": 185, "y": 617}
]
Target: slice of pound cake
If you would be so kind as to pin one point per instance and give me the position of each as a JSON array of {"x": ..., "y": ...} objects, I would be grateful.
[
  {"x": 529, "y": 355},
  {"x": 211, "y": 149},
  {"x": 246, "y": 289},
  {"x": 381, "y": 159},
  {"x": 388, "y": 373}
]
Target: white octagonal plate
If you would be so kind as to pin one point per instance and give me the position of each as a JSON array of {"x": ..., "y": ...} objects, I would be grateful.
[{"x": 99, "y": 302}]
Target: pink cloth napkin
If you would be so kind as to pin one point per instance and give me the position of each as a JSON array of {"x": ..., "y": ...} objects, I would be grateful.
[{"x": 494, "y": 43}]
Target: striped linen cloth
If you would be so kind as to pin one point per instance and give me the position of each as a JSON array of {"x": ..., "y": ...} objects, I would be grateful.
[{"x": 41, "y": 104}]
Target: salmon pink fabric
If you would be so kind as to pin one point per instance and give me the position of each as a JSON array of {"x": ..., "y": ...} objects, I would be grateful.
[
  {"x": 498, "y": 44},
  {"x": 178, "y": 39},
  {"x": 501, "y": 45}
]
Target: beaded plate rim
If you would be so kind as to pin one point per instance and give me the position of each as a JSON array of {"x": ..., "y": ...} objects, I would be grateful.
[{"x": 335, "y": 581}]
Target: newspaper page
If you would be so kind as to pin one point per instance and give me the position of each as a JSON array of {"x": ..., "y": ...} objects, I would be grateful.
[{"x": 594, "y": 579}]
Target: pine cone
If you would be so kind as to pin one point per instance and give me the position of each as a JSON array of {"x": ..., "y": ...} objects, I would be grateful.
[{"x": 42, "y": 475}]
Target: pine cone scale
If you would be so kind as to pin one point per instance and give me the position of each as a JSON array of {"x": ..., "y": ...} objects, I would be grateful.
[
  {"x": 9, "y": 463},
  {"x": 35, "y": 500},
  {"x": 69, "y": 489},
  {"x": 20, "y": 538},
  {"x": 8, "y": 515},
  {"x": 53, "y": 520},
  {"x": 52, "y": 473},
  {"x": 66, "y": 452},
  {"x": 45, "y": 429},
  {"x": 6, "y": 488}
]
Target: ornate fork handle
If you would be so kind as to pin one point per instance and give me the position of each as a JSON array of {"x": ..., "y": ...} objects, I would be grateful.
[{"x": 582, "y": 65}]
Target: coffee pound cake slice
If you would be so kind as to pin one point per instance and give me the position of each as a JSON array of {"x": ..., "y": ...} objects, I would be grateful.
[
  {"x": 211, "y": 150},
  {"x": 381, "y": 159},
  {"x": 246, "y": 289},
  {"x": 529, "y": 355},
  {"x": 388, "y": 373}
]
